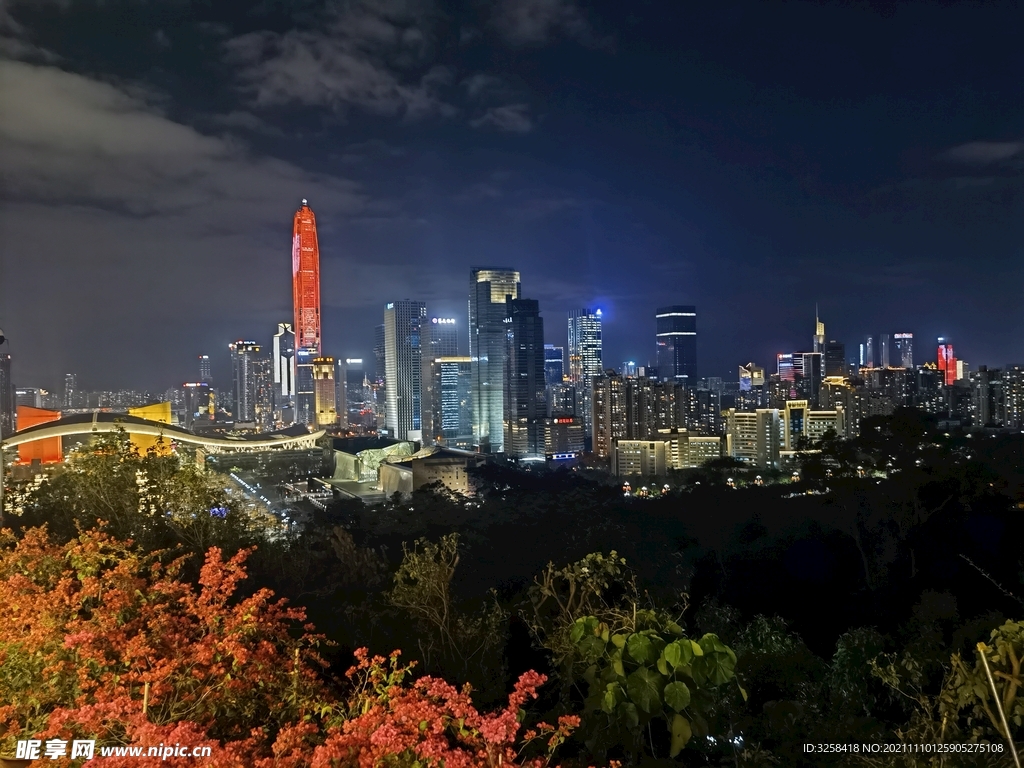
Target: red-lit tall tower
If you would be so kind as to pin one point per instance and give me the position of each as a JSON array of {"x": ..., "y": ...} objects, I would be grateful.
[
  {"x": 306, "y": 280},
  {"x": 947, "y": 362},
  {"x": 306, "y": 298}
]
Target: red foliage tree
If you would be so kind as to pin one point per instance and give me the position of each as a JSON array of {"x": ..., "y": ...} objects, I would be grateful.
[{"x": 100, "y": 642}]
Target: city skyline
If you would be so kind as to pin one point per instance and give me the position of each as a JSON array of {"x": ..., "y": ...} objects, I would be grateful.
[{"x": 621, "y": 158}]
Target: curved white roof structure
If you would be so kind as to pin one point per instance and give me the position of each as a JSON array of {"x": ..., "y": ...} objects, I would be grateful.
[{"x": 293, "y": 438}]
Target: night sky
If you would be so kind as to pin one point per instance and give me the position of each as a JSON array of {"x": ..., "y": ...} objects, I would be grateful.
[{"x": 750, "y": 158}]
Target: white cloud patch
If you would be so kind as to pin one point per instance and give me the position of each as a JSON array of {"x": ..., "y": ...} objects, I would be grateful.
[
  {"x": 514, "y": 118},
  {"x": 984, "y": 152}
]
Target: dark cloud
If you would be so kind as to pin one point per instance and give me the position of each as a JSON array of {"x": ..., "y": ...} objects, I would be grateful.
[
  {"x": 377, "y": 57},
  {"x": 530, "y": 22},
  {"x": 717, "y": 158}
]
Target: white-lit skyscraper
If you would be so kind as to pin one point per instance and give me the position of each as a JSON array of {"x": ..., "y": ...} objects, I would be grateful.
[
  {"x": 585, "y": 359},
  {"x": 403, "y": 366},
  {"x": 489, "y": 288},
  {"x": 283, "y": 363},
  {"x": 70, "y": 390},
  {"x": 443, "y": 336},
  {"x": 244, "y": 374},
  {"x": 903, "y": 344}
]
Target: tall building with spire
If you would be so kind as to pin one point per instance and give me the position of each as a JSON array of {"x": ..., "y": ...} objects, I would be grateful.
[
  {"x": 306, "y": 301},
  {"x": 819, "y": 332}
]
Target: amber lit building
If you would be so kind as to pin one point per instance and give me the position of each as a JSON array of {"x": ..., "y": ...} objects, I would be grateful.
[{"x": 47, "y": 451}]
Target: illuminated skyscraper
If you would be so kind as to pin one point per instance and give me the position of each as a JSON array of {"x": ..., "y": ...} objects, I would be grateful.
[
  {"x": 524, "y": 402},
  {"x": 835, "y": 358},
  {"x": 325, "y": 395},
  {"x": 198, "y": 403},
  {"x": 284, "y": 372},
  {"x": 440, "y": 339},
  {"x": 883, "y": 347},
  {"x": 443, "y": 335},
  {"x": 306, "y": 301},
  {"x": 244, "y": 376},
  {"x": 205, "y": 371},
  {"x": 403, "y": 364},
  {"x": 867, "y": 352},
  {"x": 946, "y": 361},
  {"x": 554, "y": 364},
  {"x": 70, "y": 390},
  {"x": 819, "y": 333},
  {"x": 489, "y": 288},
  {"x": 449, "y": 419},
  {"x": 903, "y": 343},
  {"x": 677, "y": 343},
  {"x": 585, "y": 353},
  {"x": 7, "y": 397},
  {"x": 378, "y": 354},
  {"x": 352, "y": 397}
]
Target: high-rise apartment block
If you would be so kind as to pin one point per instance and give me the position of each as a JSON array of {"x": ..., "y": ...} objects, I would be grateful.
[
  {"x": 403, "y": 367},
  {"x": 489, "y": 290},
  {"x": 524, "y": 401},
  {"x": 677, "y": 343},
  {"x": 753, "y": 437},
  {"x": 638, "y": 408},
  {"x": 585, "y": 354},
  {"x": 670, "y": 449},
  {"x": 71, "y": 398}
]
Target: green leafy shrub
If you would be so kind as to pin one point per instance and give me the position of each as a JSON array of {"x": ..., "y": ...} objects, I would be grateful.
[{"x": 646, "y": 670}]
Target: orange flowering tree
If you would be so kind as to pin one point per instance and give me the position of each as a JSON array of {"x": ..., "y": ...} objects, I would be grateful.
[{"x": 100, "y": 642}]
